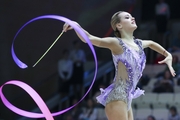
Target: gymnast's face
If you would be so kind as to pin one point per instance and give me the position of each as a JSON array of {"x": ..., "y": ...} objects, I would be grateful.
[{"x": 127, "y": 22}]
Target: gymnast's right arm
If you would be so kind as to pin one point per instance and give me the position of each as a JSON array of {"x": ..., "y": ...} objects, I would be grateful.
[{"x": 107, "y": 42}]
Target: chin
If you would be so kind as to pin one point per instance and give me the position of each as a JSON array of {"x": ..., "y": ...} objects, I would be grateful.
[{"x": 135, "y": 27}]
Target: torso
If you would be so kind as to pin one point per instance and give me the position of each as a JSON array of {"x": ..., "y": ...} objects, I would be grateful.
[
  {"x": 129, "y": 64},
  {"x": 129, "y": 60}
]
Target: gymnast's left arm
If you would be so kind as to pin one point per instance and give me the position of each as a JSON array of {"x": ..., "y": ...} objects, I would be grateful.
[{"x": 158, "y": 48}]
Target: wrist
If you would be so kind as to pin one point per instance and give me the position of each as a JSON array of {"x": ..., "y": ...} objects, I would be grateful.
[{"x": 166, "y": 53}]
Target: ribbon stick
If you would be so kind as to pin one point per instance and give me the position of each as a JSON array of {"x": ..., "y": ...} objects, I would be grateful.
[
  {"x": 44, "y": 109},
  {"x": 48, "y": 49}
]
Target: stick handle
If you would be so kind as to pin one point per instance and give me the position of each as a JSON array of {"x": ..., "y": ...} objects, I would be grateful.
[{"x": 48, "y": 49}]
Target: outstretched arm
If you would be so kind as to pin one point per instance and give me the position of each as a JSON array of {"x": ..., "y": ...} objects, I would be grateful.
[
  {"x": 158, "y": 48},
  {"x": 107, "y": 42}
]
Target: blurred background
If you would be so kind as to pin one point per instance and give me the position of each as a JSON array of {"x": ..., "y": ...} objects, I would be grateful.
[{"x": 60, "y": 85}]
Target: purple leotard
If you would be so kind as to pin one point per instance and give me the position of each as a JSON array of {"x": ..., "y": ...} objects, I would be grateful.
[{"x": 125, "y": 90}]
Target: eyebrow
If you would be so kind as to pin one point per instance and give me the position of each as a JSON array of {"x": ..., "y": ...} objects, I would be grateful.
[{"x": 128, "y": 15}]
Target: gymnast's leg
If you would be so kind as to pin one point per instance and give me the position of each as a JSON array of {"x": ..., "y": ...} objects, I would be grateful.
[
  {"x": 130, "y": 114},
  {"x": 116, "y": 110}
]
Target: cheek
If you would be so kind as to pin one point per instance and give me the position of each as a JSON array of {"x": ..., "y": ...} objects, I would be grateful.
[{"x": 125, "y": 23}]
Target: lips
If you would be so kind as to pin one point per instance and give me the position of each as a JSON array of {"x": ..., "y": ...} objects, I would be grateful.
[{"x": 133, "y": 22}]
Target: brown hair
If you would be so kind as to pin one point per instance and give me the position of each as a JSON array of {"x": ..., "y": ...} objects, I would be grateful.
[{"x": 114, "y": 20}]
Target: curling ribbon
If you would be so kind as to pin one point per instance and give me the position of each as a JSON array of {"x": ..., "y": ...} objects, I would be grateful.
[{"x": 44, "y": 109}]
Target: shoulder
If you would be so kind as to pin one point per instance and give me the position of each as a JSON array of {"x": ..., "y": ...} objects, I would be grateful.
[
  {"x": 108, "y": 42},
  {"x": 141, "y": 43},
  {"x": 138, "y": 40},
  {"x": 114, "y": 40},
  {"x": 145, "y": 43},
  {"x": 117, "y": 46},
  {"x": 112, "y": 43}
]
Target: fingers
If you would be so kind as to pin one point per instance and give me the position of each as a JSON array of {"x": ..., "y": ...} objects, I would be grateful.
[
  {"x": 160, "y": 62},
  {"x": 173, "y": 73},
  {"x": 169, "y": 64},
  {"x": 66, "y": 27}
]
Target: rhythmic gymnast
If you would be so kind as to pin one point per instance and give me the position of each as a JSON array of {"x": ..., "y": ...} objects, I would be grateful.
[{"x": 129, "y": 60}]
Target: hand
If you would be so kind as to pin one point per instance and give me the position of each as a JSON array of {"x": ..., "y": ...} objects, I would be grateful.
[
  {"x": 67, "y": 27},
  {"x": 168, "y": 61}
]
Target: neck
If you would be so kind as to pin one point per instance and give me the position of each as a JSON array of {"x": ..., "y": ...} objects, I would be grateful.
[{"x": 127, "y": 36}]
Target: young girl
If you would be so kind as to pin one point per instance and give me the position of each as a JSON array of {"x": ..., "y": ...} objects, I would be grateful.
[{"x": 129, "y": 60}]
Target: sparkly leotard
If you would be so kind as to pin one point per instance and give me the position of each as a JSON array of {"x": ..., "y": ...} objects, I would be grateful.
[{"x": 125, "y": 90}]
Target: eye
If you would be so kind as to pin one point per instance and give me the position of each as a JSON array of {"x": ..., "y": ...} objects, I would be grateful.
[{"x": 127, "y": 17}]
